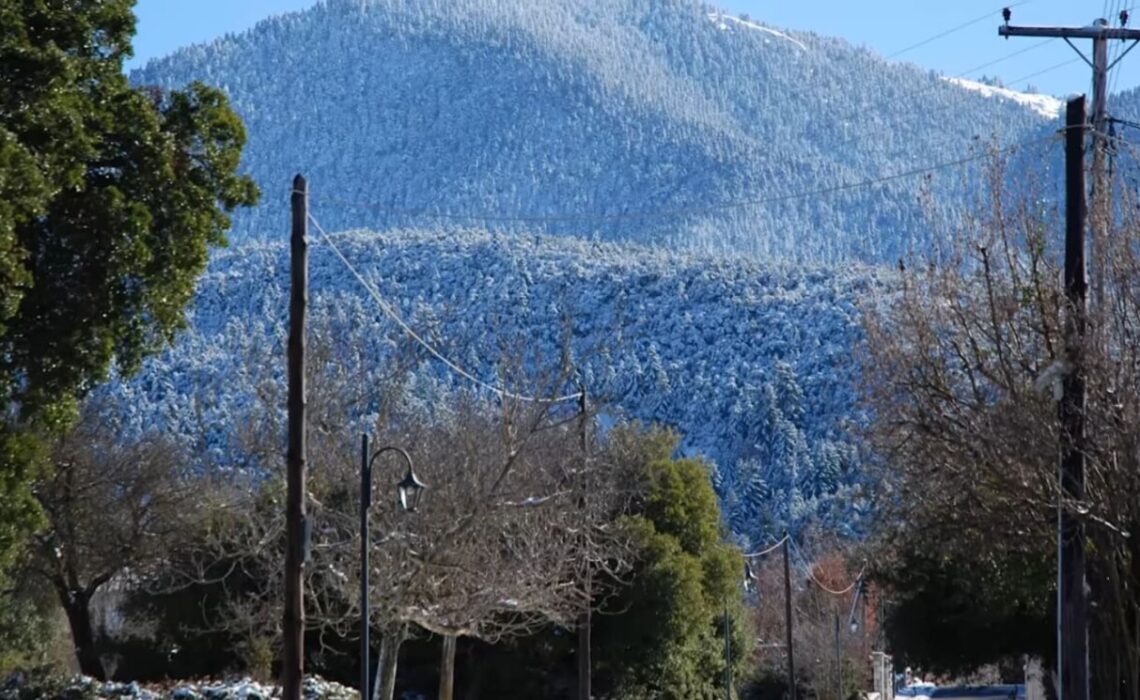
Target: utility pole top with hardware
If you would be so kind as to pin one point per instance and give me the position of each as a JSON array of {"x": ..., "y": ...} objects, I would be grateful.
[
  {"x": 1099, "y": 29},
  {"x": 1100, "y": 32}
]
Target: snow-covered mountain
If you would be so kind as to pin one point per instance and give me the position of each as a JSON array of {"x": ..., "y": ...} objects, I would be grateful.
[
  {"x": 751, "y": 362},
  {"x": 659, "y": 121},
  {"x": 676, "y": 181}
]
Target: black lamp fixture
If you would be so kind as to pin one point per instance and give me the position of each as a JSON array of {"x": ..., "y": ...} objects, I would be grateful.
[
  {"x": 751, "y": 578},
  {"x": 851, "y": 622},
  {"x": 411, "y": 490}
]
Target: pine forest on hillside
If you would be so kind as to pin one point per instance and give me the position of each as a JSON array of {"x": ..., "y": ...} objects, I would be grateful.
[{"x": 750, "y": 362}]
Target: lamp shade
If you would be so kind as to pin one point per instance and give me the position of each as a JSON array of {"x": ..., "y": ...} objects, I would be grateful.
[{"x": 411, "y": 490}]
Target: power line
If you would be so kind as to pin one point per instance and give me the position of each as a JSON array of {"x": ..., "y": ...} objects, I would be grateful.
[
  {"x": 390, "y": 312},
  {"x": 948, "y": 32},
  {"x": 1111, "y": 12},
  {"x": 1123, "y": 122},
  {"x": 1043, "y": 71},
  {"x": 1115, "y": 79},
  {"x": 843, "y": 591},
  {"x": 1004, "y": 58},
  {"x": 767, "y": 550},
  {"x": 668, "y": 213},
  {"x": 811, "y": 575}
]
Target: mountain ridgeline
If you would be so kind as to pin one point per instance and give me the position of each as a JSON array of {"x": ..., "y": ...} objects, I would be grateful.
[{"x": 655, "y": 121}]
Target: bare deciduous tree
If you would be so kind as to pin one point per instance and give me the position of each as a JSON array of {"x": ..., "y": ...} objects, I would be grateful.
[
  {"x": 508, "y": 529},
  {"x": 964, "y": 360},
  {"x": 814, "y": 613},
  {"x": 497, "y": 549},
  {"x": 113, "y": 511}
]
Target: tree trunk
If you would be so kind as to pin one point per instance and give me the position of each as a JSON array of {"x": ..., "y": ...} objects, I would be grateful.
[
  {"x": 83, "y": 635},
  {"x": 447, "y": 668},
  {"x": 384, "y": 687},
  {"x": 473, "y": 676},
  {"x": 585, "y": 681},
  {"x": 1134, "y": 612}
]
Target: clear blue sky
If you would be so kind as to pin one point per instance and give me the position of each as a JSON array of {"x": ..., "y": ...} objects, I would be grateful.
[{"x": 887, "y": 26}]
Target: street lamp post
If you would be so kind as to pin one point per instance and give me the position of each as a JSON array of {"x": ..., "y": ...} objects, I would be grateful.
[
  {"x": 410, "y": 490},
  {"x": 852, "y": 624}
]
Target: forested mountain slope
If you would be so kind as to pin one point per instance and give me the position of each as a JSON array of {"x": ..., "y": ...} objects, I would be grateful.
[
  {"x": 1126, "y": 106},
  {"x": 669, "y": 185},
  {"x": 658, "y": 121},
  {"x": 751, "y": 362}
]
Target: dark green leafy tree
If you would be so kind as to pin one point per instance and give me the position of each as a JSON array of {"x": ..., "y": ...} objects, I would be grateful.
[
  {"x": 110, "y": 199},
  {"x": 662, "y": 636},
  {"x": 953, "y": 610},
  {"x": 25, "y": 612}
]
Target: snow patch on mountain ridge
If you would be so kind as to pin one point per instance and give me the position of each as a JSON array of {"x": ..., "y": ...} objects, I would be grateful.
[
  {"x": 722, "y": 20},
  {"x": 1045, "y": 105}
]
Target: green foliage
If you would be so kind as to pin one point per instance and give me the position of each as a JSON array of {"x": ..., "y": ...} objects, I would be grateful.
[
  {"x": 259, "y": 653},
  {"x": 955, "y": 611},
  {"x": 23, "y": 632},
  {"x": 681, "y": 503},
  {"x": 110, "y": 197},
  {"x": 666, "y": 638},
  {"x": 21, "y": 458}
]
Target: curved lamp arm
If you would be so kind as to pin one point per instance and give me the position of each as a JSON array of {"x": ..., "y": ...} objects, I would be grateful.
[{"x": 410, "y": 486}]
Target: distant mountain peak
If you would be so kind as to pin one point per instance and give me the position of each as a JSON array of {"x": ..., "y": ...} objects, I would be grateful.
[{"x": 653, "y": 121}]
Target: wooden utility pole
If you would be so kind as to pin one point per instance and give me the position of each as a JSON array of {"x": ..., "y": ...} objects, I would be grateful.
[
  {"x": 365, "y": 545},
  {"x": 295, "y": 549},
  {"x": 1072, "y": 608},
  {"x": 788, "y": 620},
  {"x": 584, "y": 621},
  {"x": 1100, "y": 32},
  {"x": 838, "y": 659}
]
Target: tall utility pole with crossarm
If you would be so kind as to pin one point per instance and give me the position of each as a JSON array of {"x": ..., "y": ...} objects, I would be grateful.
[
  {"x": 1072, "y": 604},
  {"x": 1100, "y": 32}
]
